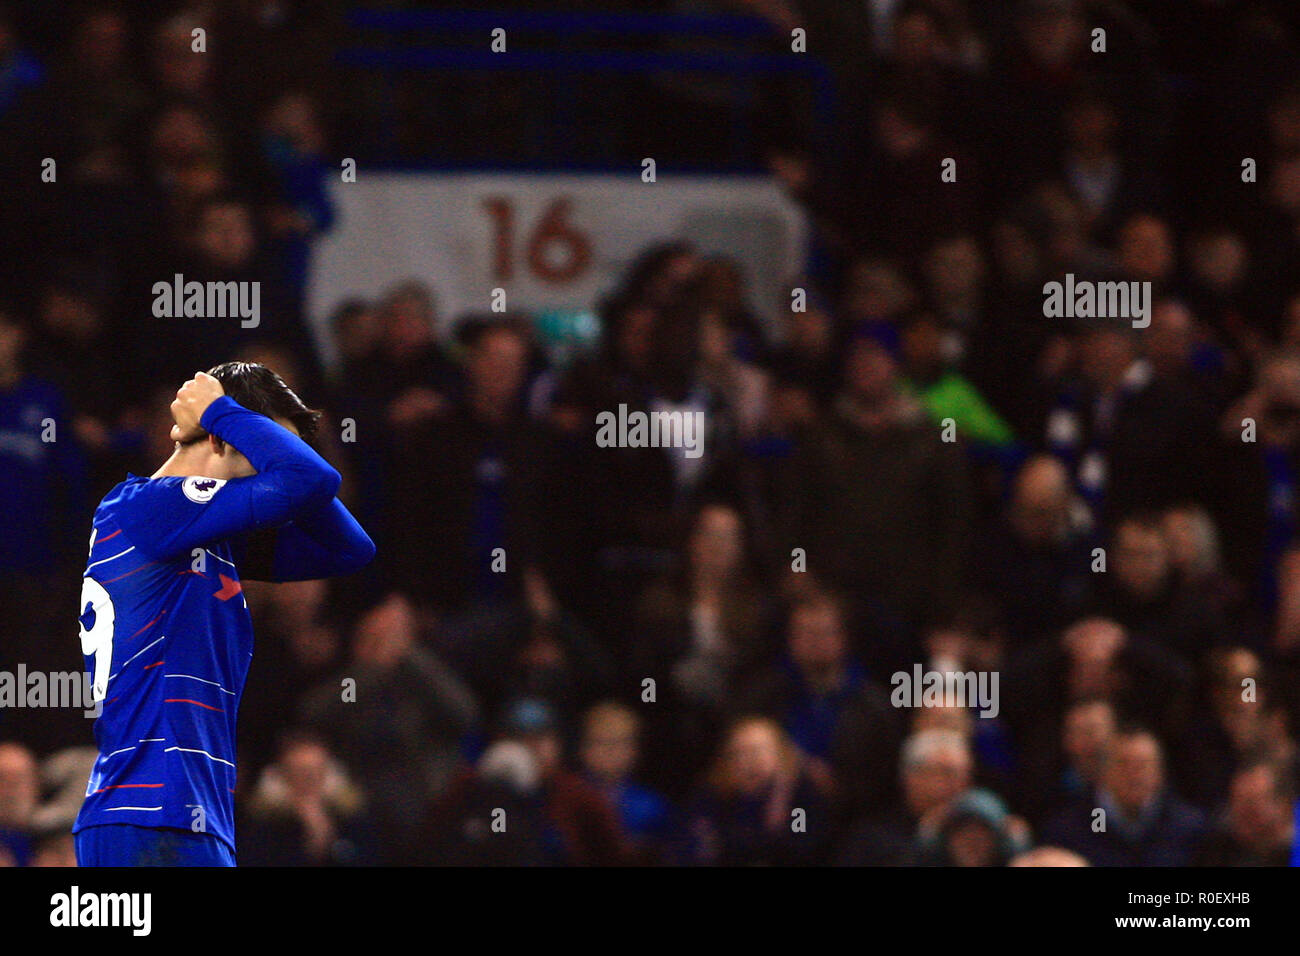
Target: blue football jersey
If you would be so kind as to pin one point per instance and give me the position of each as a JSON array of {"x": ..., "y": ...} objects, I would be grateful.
[{"x": 168, "y": 642}]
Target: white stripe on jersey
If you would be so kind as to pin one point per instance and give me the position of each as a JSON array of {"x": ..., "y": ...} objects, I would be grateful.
[
  {"x": 113, "y": 558},
  {"x": 220, "y": 558},
  {"x": 204, "y": 752},
  {"x": 132, "y": 808},
  {"x": 143, "y": 740},
  {"x": 202, "y": 681},
  {"x": 135, "y": 655}
]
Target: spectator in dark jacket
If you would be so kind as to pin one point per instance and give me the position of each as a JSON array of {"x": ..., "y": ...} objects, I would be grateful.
[
  {"x": 1258, "y": 825},
  {"x": 1035, "y": 559},
  {"x": 1240, "y": 722},
  {"x": 759, "y": 807},
  {"x": 834, "y": 712},
  {"x": 304, "y": 812},
  {"x": 469, "y": 491},
  {"x": 1068, "y": 768},
  {"x": 1132, "y": 818},
  {"x": 878, "y": 501},
  {"x": 1094, "y": 658},
  {"x": 1132, "y": 440},
  {"x": 395, "y": 718},
  {"x": 1143, "y": 593}
]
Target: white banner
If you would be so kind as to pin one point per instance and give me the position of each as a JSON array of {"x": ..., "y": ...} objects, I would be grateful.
[{"x": 551, "y": 241}]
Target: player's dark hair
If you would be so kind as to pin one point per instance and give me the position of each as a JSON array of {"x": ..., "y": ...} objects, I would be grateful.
[{"x": 259, "y": 389}]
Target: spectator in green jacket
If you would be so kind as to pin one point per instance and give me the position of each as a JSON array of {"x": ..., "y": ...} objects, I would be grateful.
[{"x": 942, "y": 390}]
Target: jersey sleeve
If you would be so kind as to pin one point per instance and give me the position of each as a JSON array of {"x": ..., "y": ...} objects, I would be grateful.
[
  {"x": 321, "y": 544},
  {"x": 168, "y": 517}
]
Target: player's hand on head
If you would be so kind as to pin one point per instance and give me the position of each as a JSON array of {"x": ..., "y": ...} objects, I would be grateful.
[{"x": 192, "y": 400}]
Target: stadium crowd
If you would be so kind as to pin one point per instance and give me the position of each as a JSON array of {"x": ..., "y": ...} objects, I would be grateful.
[{"x": 632, "y": 656}]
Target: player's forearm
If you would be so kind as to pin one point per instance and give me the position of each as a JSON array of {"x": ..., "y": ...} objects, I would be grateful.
[
  {"x": 321, "y": 544},
  {"x": 302, "y": 478}
]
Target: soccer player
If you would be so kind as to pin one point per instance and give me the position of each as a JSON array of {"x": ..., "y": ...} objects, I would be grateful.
[{"x": 164, "y": 626}]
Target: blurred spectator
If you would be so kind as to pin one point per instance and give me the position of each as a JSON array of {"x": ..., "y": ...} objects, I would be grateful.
[
  {"x": 1093, "y": 658},
  {"x": 878, "y": 501},
  {"x": 806, "y": 357},
  {"x": 1142, "y": 592},
  {"x": 839, "y": 717},
  {"x": 304, "y": 812},
  {"x": 699, "y": 633},
  {"x": 1055, "y": 772},
  {"x": 533, "y": 648},
  {"x": 177, "y": 71},
  {"x": 1258, "y": 825},
  {"x": 469, "y": 490},
  {"x": 955, "y": 275},
  {"x": 42, "y": 487},
  {"x": 610, "y": 752},
  {"x": 1264, "y": 508},
  {"x": 944, "y": 392},
  {"x": 1104, "y": 181},
  {"x": 395, "y": 718},
  {"x": 1035, "y": 562},
  {"x": 708, "y": 624},
  {"x": 1131, "y": 440},
  {"x": 1132, "y": 818},
  {"x": 936, "y": 768},
  {"x": 1221, "y": 292},
  {"x": 20, "y": 72},
  {"x": 1048, "y": 856},
  {"x": 758, "y": 806},
  {"x": 1195, "y": 553},
  {"x": 294, "y": 167},
  {"x": 299, "y": 645},
  {"x": 1240, "y": 722},
  {"x": 976, "y": 831},
  {"x": 74, "y": 338},
  {"x": 740, "y": 388},
  {"x": 56, "y": 849},
  {"x": 563, "y": 819},
  {"x": 20, "y": 791},
  {"x": 63, "y": 778},
  {"x": 410, "y": 373}
]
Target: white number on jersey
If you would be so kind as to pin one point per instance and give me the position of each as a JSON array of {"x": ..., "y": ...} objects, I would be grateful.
[{"x": 97, "y": 633}]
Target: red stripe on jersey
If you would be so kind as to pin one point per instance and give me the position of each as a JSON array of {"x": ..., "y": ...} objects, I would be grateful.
[{"x": 186, "y": 700}]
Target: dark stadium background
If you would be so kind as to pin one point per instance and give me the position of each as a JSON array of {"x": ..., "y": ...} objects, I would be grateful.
[{"x": 1162, "y": 689}]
